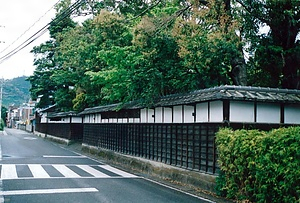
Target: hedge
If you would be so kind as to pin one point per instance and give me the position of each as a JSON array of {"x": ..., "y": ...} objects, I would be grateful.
[
  {"x": 259, "y": 166},
  {"x": 2, "y": 125}
]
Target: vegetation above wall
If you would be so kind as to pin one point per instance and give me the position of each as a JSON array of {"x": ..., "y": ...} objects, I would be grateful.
[
  {"x": 131, "y": 50},
  {"x": 260, "y": 166}
]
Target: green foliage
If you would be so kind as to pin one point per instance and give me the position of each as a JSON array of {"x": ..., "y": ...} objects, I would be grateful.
[
  {"x": 260, "y": 166},
  {"x": 15, "y": 91},
  {"x": 146, "y": 49},
  {"x": 2, "y": 124}
]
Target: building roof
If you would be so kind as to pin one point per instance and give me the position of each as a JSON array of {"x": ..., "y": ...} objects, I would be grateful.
[
  {"x": 48, "y": 109},
  {"x": 227, "y": 92},
  {"x": 62, "y": 114},
  {"x": 111, "y": 107}
]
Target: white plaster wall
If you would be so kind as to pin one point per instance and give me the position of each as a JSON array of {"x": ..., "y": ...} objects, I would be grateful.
[
  {"x": 158, "y": 115},
  {"x": 144, "y": 115},
  {"x": 66, "y": 120},
  {"x": 216, "y": 111},
  {"x": 98, "y": 118},
  {"x": 150, "y": 118},
  {"x": 188, "y": 114},
  {"x": 241, "y": 111},
  {"x": 61, "y": 121},
  {"x": 85, "y": 118},
  {"x": 113, "y": 120},
  {"x": 44, "y": 118},
  {"x": 202, "y": 112},
  {"x": 167, "y": 115},
  {"x": 76, "y": 119},
  {"x": 177, "y": 113},
  {"x": 268, "y": 113},
  {"x": 147, "y": 116},
  {"x": 292, "y": 114}
]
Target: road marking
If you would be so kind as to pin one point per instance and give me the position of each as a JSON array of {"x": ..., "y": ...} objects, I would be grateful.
[
  {"x": 38, "y": 171},
  {"x": 53, "y": 156},
  {"x": 29, "y": 138},
  {"x": 47, "y": 191},
  {"x": 65, "y": 171},
  {"x": 16, "y": 171},
  {"x": 117, "y": 171},
  {"x": 9, "y": 171},
  {"x": 93, "y": 171}
]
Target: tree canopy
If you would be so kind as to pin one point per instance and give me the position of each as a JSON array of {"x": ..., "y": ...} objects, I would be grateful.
[{"x": 141, "y": 50}]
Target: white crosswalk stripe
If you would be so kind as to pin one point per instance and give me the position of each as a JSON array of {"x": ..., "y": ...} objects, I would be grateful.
[
  {"x": 66, "y": 171},
  {"x": 9, "y": 172},
  {"x": 35, "y": 171},
  {"x": 117, "y": 171},
  {"x": 93, "y": 171},
  {"x": 38, "y": 171}
]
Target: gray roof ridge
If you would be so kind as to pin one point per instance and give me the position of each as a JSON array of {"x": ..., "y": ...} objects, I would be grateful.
[{"x": 213, "y": 93}]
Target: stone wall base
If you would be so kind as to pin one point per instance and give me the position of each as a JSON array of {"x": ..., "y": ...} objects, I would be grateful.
[
  {"x": 155, "y": 169},
  {"x": 53, "y": 138}
]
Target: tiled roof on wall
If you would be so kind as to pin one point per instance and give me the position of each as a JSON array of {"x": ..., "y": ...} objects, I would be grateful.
[
  {"x": 227, "y": 92},
  {"x": 233, "y": 93},
  {"x": 62, "y": 114}
]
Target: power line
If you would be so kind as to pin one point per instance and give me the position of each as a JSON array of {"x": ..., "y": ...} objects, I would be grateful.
[
  {"x": 29, "y": 27},
  {"x": 43, "y": 30}
]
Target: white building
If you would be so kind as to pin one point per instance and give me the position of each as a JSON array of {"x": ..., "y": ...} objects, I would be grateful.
[{"x": 231, "y": 104}]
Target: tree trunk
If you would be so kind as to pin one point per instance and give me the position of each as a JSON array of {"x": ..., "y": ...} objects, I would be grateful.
[
  {"x": 291, "y": 76},
  {"x": 239, "y": 71}
]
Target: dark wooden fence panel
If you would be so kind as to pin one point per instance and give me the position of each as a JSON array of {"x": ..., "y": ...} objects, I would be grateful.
[
  {"x": 189, "y": 146},
  {"x": 186, "y": 145},
  {"x": 71, "y": 131}
]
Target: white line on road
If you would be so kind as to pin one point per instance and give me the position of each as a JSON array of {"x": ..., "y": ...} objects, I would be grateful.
[
  {"x": 117, "y": 171},
  {"x": 53, "y": 156},
  {"x": 66, "y": 171},
  {"x": 38, "y": 171},
  {"x": 9, "y": 172},
  {"x": 93, "y": 171},
  {"x": 173, "y": 188},
  {"x": 47, "y": 191},
  {"x": 29, "y": 138}
]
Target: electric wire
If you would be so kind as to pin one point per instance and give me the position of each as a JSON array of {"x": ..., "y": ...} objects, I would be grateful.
[
  {"x": 67, "y": 12},
  {"x": 29, "y": 27},
  {"x": 44, "y": 29}
]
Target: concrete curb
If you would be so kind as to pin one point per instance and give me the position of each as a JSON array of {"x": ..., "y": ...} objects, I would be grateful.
[
  {"x": 155, "y": 169},
  {"x": 53, "y": 138}
]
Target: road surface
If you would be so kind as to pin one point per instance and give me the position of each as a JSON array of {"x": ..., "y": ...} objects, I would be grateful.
[{"x": 33, "y": 169}]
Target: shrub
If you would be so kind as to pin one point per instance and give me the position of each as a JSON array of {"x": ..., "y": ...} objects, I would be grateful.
[
  {"x": 2, "y": 125},
  {"x": 259, "y": 166}
]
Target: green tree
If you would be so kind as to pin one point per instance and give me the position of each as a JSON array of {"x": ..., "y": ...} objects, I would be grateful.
[
  {"x": 209, "y": 43},
  {"x": 42, "y": 84},
  {"x": 277, "y": 52},
  {"x": 133, "y": 49}
]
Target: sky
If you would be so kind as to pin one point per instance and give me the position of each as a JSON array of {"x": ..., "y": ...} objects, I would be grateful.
[{"x": 16, "y": 17}]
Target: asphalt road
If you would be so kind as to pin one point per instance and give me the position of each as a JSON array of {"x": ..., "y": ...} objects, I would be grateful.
[{"x": 33, "y": 169}]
